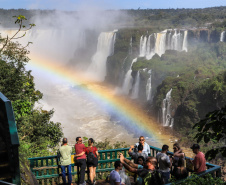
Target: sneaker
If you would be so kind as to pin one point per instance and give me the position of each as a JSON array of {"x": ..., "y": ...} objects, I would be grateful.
[{"x": 94, "y": 182}]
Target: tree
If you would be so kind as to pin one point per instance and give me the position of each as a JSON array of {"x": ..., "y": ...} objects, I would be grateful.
[
  {"x": 37, "y": 133},
  {"x": 213, "y": 128}
]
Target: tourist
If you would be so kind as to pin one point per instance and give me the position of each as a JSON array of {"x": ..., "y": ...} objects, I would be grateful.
[
  {"x": 164, "y": 163},
  {"x": 134, "y": 155},
  {"x": 65, "y": 161},
  {"x": 115, "y": 178},
  {"x": 139, "y": 165},
  {"x": 148, "y": 173},
  {"x": 146, "y": 147},
  {"x": 180, "y": 172},
  {"x": 178, "y": 153},
  {"x": 80, "y": 159},
  {"x": 199, "y": 162},
  {"x": 92, "y": 161}
]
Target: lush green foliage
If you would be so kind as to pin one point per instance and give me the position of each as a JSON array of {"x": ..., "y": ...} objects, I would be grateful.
[
  {"x": 196, "y": 180},
  {"x": 213, "y": 128},
  {"x": 37, "y": 133}
]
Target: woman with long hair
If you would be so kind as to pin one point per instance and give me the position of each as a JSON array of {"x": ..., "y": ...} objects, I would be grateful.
[{"x": 92, "y": 160}]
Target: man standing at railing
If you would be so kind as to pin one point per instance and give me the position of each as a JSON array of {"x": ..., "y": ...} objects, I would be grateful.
[
  {"x": 146, "y": 147},
  {"x": 65, "y": 161},
  {"x": 80, "y": 156},
  {"x": 199, "y": 162}
]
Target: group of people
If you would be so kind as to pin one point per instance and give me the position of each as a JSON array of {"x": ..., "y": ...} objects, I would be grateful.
[
  {"x": 157, "y": 170},
  {"x": 85, "y": 156},
  {"x": 147, "y": 170}
]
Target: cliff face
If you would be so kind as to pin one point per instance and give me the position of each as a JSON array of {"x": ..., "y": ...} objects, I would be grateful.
[{"x": 170, "y": 67}]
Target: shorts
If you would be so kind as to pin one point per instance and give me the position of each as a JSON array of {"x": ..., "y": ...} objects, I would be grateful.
[{"x": 94, "y": 163}]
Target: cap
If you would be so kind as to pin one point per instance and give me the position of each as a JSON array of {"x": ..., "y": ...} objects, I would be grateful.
[{"x": 195, "y": 146}]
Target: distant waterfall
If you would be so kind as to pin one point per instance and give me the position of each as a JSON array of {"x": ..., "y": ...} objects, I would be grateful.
[
  {"x": 135, "y": 90},
  {"x": 131, "y": 46},
  {"x": 222, "y": 36},
  {"x": 158, "y": 43},
  {"x": 128, "y": 80},
  {"x": 185, "y": 41},
  {"x": 143, "y": 44},
  {"x": 167, "y": 119},
  {"x": 148, "y": 87},
  {"x": 105, "y": 48}
]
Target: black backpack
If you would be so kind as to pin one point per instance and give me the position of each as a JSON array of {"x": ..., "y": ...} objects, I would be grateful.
[
  {"x": 153, "y": 178},
  {"x": 90, "y": 156}
]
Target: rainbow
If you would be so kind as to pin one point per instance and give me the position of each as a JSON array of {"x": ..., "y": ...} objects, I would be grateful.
[{"x": 132, "y": 115}]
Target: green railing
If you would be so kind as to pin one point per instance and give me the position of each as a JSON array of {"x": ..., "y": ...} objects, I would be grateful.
[
  {"x": 8, "y": 131},
  {"x": 47, "y": 170}
]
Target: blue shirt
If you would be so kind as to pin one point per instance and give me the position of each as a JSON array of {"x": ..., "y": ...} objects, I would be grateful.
[{"x": 114, "y": 177}]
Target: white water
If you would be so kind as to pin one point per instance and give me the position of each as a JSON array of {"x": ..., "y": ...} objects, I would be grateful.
[
  {"x": 128, "y": 80},
  {"x": 105, "y": 48},
  {"x": 148, "y": 87},
  {"x": 135, "y": 90},
  {"x": 167, "y": 119},
  {"x": 185, "y": 41},
  {"x": 222, "y": 36},
  {"x": 143, "y": 44},
  {"x": 158, "y": 43},
  {"x": 131, "y": 46}
]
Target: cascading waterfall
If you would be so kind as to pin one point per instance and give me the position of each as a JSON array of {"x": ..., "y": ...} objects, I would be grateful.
[
  {"x": 135, "y": 90},
  {"x": 158, "y": 43},
  {"x": 128, "y": 80},
  {"x": 167, "y": 120},
  {"x": 148, "y": 87},
  {"x": 131, "y": 46},
  {"x": 105, "y": 48},
  {"x": 143, "y": 44},
  {"x": 222, "y": 36},
  {"x": 185, "y": 41}
]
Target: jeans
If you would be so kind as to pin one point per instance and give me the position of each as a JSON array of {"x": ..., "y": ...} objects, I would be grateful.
[
  {"x": 165, "y": 176},
  {"x": 63, "y": 169},
  {"x": 82, "y": 165}
]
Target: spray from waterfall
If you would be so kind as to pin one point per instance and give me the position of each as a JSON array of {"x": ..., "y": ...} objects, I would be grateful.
[{"x": 135, "y": 90}]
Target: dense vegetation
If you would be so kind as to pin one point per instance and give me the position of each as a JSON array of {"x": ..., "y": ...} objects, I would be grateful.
[{"x": 37, "y": 134}]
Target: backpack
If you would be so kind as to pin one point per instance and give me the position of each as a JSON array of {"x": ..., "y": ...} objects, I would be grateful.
[
  {"x": 153, "y": 178},
  {"x": 90, "y": 156}
]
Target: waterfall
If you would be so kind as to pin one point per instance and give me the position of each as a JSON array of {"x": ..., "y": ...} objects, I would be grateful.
[
  {"x": 185, "y": 41},
  {"x": 222, "y": 36},
  {"x": 105, "y": 48},
  {"x": 143, "y": 43},
  {"x": 167, "y": 120},
  {"x": 148, "y": 87},
  {"x": 128, "y": 80},
  {"x": 160, "y": 44},
  {"x": 131, "y": 46},
  {"x": 135, "y": 90},
  {"x": 151, "y": 46},
  {"x": 176, "y": 41}
]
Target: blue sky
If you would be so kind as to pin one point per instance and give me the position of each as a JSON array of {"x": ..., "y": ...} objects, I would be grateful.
[{"x": 108, "y": 4}]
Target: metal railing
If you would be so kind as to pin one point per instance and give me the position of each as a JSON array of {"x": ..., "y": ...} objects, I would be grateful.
[{"x": 47, "y": 170}]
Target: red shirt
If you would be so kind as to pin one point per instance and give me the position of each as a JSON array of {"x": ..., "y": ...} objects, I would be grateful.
[
  {"x": 92, "y": 149},
  {"x": 201, "y": 161},
  {"x": 79, "y": 148}
]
